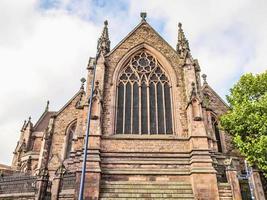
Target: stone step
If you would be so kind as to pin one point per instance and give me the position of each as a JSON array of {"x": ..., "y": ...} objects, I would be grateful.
[
  {"x": 224, "y": 188},
  {"x": 126, "y": 190},
  {"x": 145, "y": 190},
  {"x": 140, "y": 195},
  {"x": 147, "y": 198},
  {"x": 226, "y": 198},
  {"x": 225, "y": 192},
  {"x": 224, "y": 185},
  {"x": 139, "y": 182},
  {"x": 146, "y": 171},
  {"x": 228, "y": 194},
  {"x": 128, "y": 186}
]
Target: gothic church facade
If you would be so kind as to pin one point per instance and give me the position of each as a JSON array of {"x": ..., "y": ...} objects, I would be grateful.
[{"x": 154, "y": 130}]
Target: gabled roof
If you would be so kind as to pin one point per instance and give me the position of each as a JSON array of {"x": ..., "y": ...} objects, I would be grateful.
[
  {"x": 43, "y": 121},
  {"x": 69, "y": 102},
  {"x": 3, "y": 166},
  {"x": 206, "y": 86},
  {"x": 143, "y": 22}
]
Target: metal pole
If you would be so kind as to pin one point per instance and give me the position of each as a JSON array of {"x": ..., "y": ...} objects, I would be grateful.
[
  {"x": 249, "y": 171},
  {"x": 87, "y": 135}
]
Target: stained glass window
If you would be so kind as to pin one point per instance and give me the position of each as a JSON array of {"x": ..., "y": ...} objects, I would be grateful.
[{"x": 143, "y": 98}]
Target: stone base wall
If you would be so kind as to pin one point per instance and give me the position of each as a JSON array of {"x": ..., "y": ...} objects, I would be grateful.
[{"x": 18, "y": 196}]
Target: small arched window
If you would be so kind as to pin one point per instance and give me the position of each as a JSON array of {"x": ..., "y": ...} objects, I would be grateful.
[
  {"x": 69, "y": 137},
  {"x": 143, "y": 98},
  {"x": 216, "y": 130}
]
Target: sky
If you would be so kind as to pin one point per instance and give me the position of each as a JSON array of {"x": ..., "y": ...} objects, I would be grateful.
[{"x": 45, "y": 46}]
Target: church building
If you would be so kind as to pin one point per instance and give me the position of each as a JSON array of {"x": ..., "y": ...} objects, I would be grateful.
[{"x": 154, "y": 132}]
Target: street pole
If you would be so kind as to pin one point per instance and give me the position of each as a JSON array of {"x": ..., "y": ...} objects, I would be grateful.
[
  {"x": 87, "y": 135},
  {"x": 249, "y": 172}
]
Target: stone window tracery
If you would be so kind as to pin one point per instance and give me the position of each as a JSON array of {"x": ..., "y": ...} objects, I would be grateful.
[{"x": 143, "y": 98}]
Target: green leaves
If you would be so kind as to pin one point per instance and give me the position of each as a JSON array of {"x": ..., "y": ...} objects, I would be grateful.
[{"x": 246, "y": 120}]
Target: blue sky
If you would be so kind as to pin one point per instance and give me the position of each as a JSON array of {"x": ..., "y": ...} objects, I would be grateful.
[{"x": 45, "y": 46}]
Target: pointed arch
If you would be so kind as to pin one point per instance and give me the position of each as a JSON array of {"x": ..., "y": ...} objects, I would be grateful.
[
  {"x": 69, "y": 135},
  {"x": 144, "y": 97},
  {"x": 216, "y": 131},
  {"x": 161, "y": 58},
  {"x": 170, "y": 73}
]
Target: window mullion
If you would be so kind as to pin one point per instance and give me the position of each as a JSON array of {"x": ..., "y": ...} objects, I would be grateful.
[
  {"x": 148, "y": 108},
  {"x": 140, "y": 108},
  {"x": 116, "y": 111}
]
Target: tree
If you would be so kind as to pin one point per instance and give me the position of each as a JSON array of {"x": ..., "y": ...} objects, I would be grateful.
[{"x": 246, "y": 120}]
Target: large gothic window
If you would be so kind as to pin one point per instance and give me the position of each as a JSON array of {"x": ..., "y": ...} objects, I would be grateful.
[{"x": 143, "y": 98}]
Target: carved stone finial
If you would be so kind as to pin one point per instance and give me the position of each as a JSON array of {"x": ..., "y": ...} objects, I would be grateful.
[
  {"x": 47, "y": 105},
  {"x": 30, "y": 118},
  {"x": 83, "y": 80},
  {"x": 143, "y": 15},
  {"x": 106, "y": 22},
  {"x": 204, "y": 76},
  {"x": 61, "y": 170},
  {"x": 103, "y": 44},
  {"x": 96, "y": 90},
  {"x": 182, "y": 44},
  {"x": 180, "y": 25}
]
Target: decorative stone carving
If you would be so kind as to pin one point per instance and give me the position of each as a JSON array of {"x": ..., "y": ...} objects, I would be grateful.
[{"x": 96, "y": 102}]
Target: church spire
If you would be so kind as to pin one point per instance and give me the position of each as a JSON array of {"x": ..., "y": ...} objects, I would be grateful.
[
  {"x": 103, "y": 44},
  {"x": 182, "y": 45}
]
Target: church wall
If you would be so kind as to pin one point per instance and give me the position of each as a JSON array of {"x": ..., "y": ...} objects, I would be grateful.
[
  {"x": 37, "y": 144},
  {"x": 144, "y": 145},
  {"x": 62, "y": 121},
  {"x": 142, "y": 35},
  {"x": 216, "y": 107}
]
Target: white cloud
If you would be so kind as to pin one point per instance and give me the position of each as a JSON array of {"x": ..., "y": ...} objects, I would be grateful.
[
  {"x": 227, "y": 37},
  {"x": 43, "y": 56},
  {"x": 44, "y": 52}
]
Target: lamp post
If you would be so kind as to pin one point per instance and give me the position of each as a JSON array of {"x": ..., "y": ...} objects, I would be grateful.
[
  {"x": 87, "y": 135},
  {"x": 249, "y": 172}
]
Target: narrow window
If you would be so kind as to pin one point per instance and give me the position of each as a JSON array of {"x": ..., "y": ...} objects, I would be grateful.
[
  {"x": 69, "y": 138},
  {"x": 135, "y": 109},
  {"x": 128, "y": 95},
  {"x": 144, "y": 108},
  {"x": 161, "y": 128},
  {"x": 152, "y": 103},
  {"x": 120, "y": 109},
  {"x": 168, "y": 108},
  {"x": 217, "y": 134}
]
